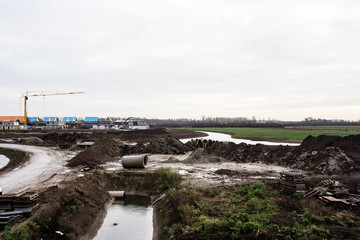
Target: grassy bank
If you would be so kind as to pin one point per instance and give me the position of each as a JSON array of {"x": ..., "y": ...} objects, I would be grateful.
[
  {"x": 255, "y": 211},
  {"x": 283, "y": 134},
  {"x": 74, "y": 207}
]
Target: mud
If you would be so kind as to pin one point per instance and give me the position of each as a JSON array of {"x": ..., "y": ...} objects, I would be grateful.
[
  {"x": 109, "y": 149},
  {"x": 44, "y": 164},
  {"x": 217, "y": 164},
  {"x": 201, "y": 156},
  {"x": 323, "y": 154},
  {"x": 31, "y": 141},
  {"x": 104, "y": 150}
]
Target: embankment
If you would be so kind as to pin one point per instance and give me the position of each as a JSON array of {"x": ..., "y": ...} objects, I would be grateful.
[
  {"x": 74, "y": 207},
  {"x": 16, "y": 157}
]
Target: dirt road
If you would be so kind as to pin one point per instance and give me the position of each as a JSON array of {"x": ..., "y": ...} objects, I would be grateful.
[{"x": 44, "y": 164}]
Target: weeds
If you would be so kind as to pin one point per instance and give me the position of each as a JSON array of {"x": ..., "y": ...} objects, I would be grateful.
[
  {"x": 165, "y": 178},
  {"x": 28, "y": 231}
]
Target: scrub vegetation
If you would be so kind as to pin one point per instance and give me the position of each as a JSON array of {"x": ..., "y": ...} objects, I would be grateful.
[
  {"x": 255, "y": 211},
  {"x": 284, "y": 134}
]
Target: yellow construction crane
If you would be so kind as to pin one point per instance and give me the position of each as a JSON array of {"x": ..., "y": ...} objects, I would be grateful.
[{"x": 28, "y": 94}]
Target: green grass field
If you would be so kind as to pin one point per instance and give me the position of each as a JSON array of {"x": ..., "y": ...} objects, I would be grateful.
[{"x": 287, "y": 134}]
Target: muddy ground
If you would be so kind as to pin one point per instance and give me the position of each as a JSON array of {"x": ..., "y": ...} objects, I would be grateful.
[{"x": 215, "y": 164}]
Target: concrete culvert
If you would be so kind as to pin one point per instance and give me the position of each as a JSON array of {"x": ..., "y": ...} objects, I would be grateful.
[
  {"x": 139, "y": 161},
  {"x": 117, "y": 194}
]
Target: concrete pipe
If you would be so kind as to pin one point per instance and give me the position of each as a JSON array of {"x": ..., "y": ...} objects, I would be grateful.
[
  {"x": 139, "y": 161},
  {"x": 117, "y": 194}
]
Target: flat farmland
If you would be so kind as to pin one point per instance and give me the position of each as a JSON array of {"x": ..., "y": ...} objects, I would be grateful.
[{"x": 293, "y": 134}]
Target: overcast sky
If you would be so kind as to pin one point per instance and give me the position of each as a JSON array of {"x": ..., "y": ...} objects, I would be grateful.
[{"x": 168, "y": 59}]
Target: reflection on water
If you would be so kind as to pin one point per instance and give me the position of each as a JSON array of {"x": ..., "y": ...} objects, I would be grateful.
[
  {"x": 221, "y": 137},
  {"x": 130, "y": 218},
  {"x": 3, "y": 161}
]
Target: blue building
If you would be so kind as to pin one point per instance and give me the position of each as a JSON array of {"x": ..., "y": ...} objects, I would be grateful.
[{"x": 91, "y": 120}]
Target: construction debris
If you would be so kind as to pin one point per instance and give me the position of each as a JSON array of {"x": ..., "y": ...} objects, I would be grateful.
[
  {"x": 292, "y": 182},
  {"x": 334, "y": 193},
  {"x": 15, "y": 207}
]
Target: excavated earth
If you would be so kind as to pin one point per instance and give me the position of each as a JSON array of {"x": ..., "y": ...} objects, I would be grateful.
[
  {"x": 319, "y": 155},
  {"x": 322, "y": 154}
]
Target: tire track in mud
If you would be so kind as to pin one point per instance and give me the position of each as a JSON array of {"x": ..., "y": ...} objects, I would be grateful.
[{"x": 43, "y": 164}]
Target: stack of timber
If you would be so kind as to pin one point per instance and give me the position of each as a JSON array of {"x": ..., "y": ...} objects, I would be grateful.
[
  {"x": 336, "y": 194},
  {"x": 15, "y": 207},
  {"x": 292, "y": 182}
]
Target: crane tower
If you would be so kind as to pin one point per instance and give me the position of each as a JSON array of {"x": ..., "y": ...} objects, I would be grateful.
[{"x": 28, "y": 94}]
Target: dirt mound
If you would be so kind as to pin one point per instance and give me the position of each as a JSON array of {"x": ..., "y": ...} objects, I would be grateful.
[
  {"x": 140, "y": 135},
  {"x": 102, "y": 151},
  {"x": 331, "y": 160},
  {"x": 323, "y": 154},
  {"x": 106, "y": 149},
  {"x": 61, "y": 138},
  {"x": 225, "y": 150},
  {"x": 201, "y": 156},
  {"x": 163, "y": 145},
  {"x": 168, "y": 145},
  {"x": 349, "y": 144},
  {"x": 31, "y": 141}
]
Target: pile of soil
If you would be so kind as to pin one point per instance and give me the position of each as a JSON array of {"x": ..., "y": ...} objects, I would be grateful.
[
  {"x": 140, "y": 136},
  {"x": 323, "y": 154},
  {"x": 104, "y": 150},
  {"x": 65, "y": 138},
  {"x": 163, "y": 145},
  {"x": 201, "y": 156},
  {"x": 107, "y": 149},
  {"x": 31, "y": 141},
  {"x": 167, "y": 145},
  {"x": 349, "y": 144}
]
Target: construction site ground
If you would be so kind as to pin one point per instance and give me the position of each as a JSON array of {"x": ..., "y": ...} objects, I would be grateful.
[{"x": 216, "y": 164}]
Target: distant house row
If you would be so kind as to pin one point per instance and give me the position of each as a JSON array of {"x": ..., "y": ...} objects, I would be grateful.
[{"x": 17, "y": 122}]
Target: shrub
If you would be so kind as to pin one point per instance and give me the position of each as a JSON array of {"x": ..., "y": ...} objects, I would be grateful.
[
  {"x": 320, "y": 232},
  {"x": 166, "y": 178},
  {"x": 253, "y": 205},
  {"x": 24, "y": 232},
  {"x": 251, "y": 227},
  {"x": 307, "y": 218}
]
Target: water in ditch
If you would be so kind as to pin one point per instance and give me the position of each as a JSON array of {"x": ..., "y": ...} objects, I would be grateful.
[
  {"x": 130, "y": 218},
  {"x": 222, "y": 137}
]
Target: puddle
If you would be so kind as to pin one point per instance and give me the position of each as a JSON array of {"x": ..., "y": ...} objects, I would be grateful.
[
  {"x": 130, "y": 218},
  {"x": 222, "y": 137},
  {"x": 3, "y": 161}
]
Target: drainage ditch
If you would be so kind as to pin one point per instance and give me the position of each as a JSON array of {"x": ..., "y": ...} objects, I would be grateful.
[{"x": 128, "y": 218}]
